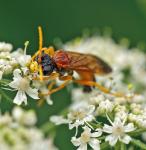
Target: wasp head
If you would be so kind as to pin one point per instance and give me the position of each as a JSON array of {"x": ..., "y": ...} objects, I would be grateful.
[{"x": 46, "y": 63}]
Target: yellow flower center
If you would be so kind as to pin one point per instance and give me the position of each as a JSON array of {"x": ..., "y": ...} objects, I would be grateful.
[
  {"x": 118, "y": 130},
  {"x": 85, "y": 137},
  {"x": 79, "y": 115},
  {"x": 24, "y": 84}
]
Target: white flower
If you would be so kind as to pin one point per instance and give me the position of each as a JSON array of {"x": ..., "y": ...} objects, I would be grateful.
[
  {"x": 118, "y": 132},
  {"x": 81, "y": 114},
  {"x": 105, "y": 106},
  {"x": 29, "y": 118},
  {"x": 87, "y": 138},
  {"x": 5, "y": 119},
  {"x": 22, "y": 85},
  {"x": 21, "y": 116},
  {"x": 58, "y": 120},
  {"x": 17, "y": 113},
  {"x": 5, "y": 47},
  {"x": 24, "y": 60}
]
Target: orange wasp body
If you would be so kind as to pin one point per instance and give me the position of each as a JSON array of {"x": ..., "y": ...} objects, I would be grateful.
[{"x": 52, "y": 64}]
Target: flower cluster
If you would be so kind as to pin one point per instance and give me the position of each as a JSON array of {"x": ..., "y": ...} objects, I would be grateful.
[
  {"x": 18, "y": 132},
  {"x": 102, "y": 120},
  {"x": 16, "y": 63}
]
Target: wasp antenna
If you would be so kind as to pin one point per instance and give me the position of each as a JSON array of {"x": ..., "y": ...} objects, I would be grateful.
[
  {"x": 40, "y": 37},
  {"x": 25, "y": 46}
]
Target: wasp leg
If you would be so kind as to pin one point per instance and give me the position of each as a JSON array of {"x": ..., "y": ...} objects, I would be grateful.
[
  {"x": 100, "y": 87},
  {"x": 41, "y": 72},
  {"x": 42, "y": 100},
  {"x": 66, "y": 80}
]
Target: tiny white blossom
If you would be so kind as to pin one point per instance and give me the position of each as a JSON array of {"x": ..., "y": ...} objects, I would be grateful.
[
  {"x": 5, "y": 47},
  {"x": 24, "y": 60},
  {"x": 59, "y": 120},
  {"x": 105, "y": 106},
  {"x": 87, "y": 138},
  {"x": 22, "y": 85},
  {"x": 118, "y": 132},
  {"x": 81, "y": 114}
]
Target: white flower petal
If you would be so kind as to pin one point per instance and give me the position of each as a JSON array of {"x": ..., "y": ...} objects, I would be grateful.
[
  {"x": 90, "y": 109},
  {"x": 107, "y": 128},
  {"x": 94, "y": 143},
  {"x": 76, "y": 141},
  {"x": 33, "y": 93},
  {"x": 83, "y": 147},
  {"x": 14, "y": 84},
  {"x": 16, "y": 73},
  {"x": 24, "y": 60},
  {"x": 87, "y": 129},
  {"x": 96, "y": 134},
  {"x": 20, "y": 98},
  {"x": 118, "y": 122},
  {"x": 125, "y": 139},
  {"x": 58, "y": 120},
  {"x": 49, "y": 101},
  {"x": 129, "y": 127},
  {"x": 112, "y": 139}
]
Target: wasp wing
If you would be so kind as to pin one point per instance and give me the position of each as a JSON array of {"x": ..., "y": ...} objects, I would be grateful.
[{"x": 88, "y": 63}]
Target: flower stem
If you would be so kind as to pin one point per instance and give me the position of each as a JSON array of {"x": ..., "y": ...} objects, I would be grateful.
[
  {"x": 139, "y": 144},
  {"x": 117, "y": 146},
  {"x": 123, "y": 146},
  {"x": 137, "y": 132}
]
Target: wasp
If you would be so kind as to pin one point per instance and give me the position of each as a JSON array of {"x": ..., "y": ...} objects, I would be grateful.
[{"x": 62, "y": 64}]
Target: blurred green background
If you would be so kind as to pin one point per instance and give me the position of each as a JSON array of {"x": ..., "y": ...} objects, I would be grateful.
[{"x": 67, "y": 19}]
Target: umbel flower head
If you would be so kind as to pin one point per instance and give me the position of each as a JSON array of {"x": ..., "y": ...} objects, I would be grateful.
[
  {"x": 89, "y": 113},
  {"x": 18, "y": 132},
  {"x": 21, "y": 84}
]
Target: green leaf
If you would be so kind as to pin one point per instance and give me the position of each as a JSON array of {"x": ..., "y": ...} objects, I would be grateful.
[
  {"x": 5, "y": 96},
  {"x": 139, "y": 144}
]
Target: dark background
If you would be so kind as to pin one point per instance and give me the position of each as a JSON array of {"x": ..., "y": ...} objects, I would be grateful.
[{"x": 67, "y": 19}]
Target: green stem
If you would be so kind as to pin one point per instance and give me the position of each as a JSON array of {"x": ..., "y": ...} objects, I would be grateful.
[
  {"x": 123, "y": 146},
  {"x": 139, "y": 144},
  {"x": 117, "y": 146},
  {"x": 137, "y": 132}
]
